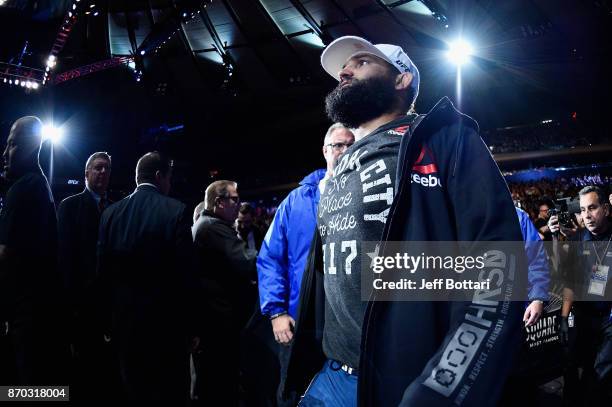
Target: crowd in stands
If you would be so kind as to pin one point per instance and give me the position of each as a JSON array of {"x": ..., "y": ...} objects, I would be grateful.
[
  {"x": 544, "y": 136},
  {"x": 527, "y": 195}
]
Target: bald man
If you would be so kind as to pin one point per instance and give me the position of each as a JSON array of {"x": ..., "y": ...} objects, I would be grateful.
[{"x": 29, "y": 283}]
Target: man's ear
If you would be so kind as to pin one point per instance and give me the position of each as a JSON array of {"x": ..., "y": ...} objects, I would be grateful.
[
  {"x": 403, "y": 81},
  {"x": 218, "y": 203}
]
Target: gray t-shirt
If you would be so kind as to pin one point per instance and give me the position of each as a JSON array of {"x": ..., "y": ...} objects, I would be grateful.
[{"x": 354, "y": 209}]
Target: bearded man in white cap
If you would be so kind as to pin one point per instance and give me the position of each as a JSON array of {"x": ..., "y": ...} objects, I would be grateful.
[{"x": 408, "y": 178}]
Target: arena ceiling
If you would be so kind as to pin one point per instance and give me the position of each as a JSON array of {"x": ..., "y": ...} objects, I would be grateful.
[{"x": 242, "y": 77}]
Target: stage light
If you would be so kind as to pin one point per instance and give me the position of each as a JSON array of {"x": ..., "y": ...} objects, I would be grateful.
[
  {"x": 5, "y": 80},
  {"x": 52, "y": 133},
  {"x": 35, "y": 85},
  {"x": 22, "y": 83},
  {"x": 2, "y": 2},
  {"x": 16, "y": 81},
  {"x": 28, "y": 85},
  {"x": 74, "y": 6},
  {"x": 459, "y": 52},
  {"x": 51, "y": 61},
  {"x": 142, "y": 52}
]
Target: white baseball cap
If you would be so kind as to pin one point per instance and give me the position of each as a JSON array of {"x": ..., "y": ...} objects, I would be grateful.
[{"x": 336, "y": 54}]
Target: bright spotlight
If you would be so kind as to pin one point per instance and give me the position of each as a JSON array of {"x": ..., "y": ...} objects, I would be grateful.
[
  {"x": 51, "y": 61},
  {"x": 52, "y": 133},
  {"x": 459, "y": 52},
  {"x": 35, "y": 85},
  {"x": 142, "y": 52}
]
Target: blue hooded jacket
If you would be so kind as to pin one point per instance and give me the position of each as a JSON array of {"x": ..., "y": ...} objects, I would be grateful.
[
  {"x": 283, "y": 254},
  {"x": 538, "y": 275}
]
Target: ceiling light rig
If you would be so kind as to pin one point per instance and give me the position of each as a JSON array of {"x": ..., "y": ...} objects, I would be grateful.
[
  {"x": 20, "y": 76},
  {"x": 185, "y": 15},
  {"x": 76, "y": 9}
]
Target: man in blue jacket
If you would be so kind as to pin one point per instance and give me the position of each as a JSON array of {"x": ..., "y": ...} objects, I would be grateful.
[
  {"x": 283, "y": 254},
  {"x": 407, "y": 178},
  {"x": 539, "y": 274}
]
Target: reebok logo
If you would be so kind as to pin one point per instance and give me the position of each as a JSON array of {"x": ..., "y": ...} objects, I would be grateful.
[
  {"x": 398, "y": 131},
  {"x": 425, "y": 169}
]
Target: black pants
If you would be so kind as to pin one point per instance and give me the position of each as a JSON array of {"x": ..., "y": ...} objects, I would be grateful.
[
  {"x": 95, "y": 369},
  {"x": 594, "y": 355},
  {"x": 259, "y": 362}
]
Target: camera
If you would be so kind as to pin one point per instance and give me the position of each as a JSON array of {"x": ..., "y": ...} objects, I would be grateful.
[{"x": 565, "y": 211}]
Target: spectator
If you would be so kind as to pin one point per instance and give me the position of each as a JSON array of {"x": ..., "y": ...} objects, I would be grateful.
[
  {"x": 145, "y": 275},
  {"x": 228, "y": 272},
  {"x": 29, "y": 281},
  {"x": 78, "y": 225}
]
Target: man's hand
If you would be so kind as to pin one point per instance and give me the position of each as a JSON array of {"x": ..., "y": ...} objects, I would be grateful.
[
  {"x": 533, "y": 313},
  {"x": 553, "y": 224},
  {"x": 564, "y": 331},
  {"x": 282, "y": 326}
]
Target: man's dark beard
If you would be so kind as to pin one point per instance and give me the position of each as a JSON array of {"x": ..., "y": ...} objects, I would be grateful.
[{"x": 360, "y": 101}]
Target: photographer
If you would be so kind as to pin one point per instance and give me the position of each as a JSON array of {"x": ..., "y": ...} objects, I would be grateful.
[
  {"x": 567, "y": 223},
  {"x": 541, "y": 223},
  {"x": 587, "y": 287}
]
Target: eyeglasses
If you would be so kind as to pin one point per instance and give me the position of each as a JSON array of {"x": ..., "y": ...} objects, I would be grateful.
[{"x": 339, "y": 146}]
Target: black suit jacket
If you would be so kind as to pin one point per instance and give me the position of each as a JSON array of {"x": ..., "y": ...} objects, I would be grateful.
[
  {"x": 227, "y": 270},
  {"x": 145, "y": 266},
  {"x": 78, "y": 220}
]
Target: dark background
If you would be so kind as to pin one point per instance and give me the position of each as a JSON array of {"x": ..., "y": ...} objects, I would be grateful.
[{"x": 263, "y": 125}]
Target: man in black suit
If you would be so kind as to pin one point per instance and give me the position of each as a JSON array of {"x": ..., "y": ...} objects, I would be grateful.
[
  {"x": 78, "y": 223},
  {"x": 29, "y": 283},
  {"x": 227, "y": 269},
  {"x": 144, "y": 253}
]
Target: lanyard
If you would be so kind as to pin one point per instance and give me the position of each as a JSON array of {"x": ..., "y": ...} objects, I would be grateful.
[{"x": 599, "y": 261}]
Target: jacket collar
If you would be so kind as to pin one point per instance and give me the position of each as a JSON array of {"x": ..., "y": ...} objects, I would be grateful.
[
  {"x": 588, "y": 236},
  {"x": 145, "y": 186},
  {"x": 314, "y": 178},
  {"x": 213, "y": 215}
]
